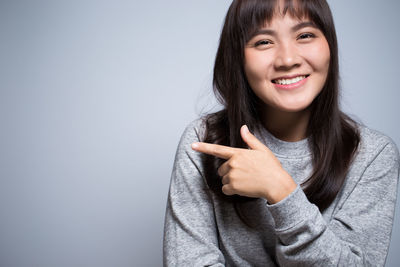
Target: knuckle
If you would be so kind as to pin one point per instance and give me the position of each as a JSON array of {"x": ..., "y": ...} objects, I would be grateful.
[
  {"x": 219, "y": 171},
  {"x": 225, "y": 179},
  {"x": 232, "y": 163},
  {"x": 226, "y": 190},
  {"x": 233, "y": 186},
  {"x": 232, "y": 174}
]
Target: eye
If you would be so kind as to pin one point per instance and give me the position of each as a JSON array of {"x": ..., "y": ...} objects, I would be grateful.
[
  {"x": 306, "y": 35},
  {"x": 262, "y": 43}
]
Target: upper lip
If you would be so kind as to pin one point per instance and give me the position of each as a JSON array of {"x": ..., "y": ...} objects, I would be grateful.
[{"x": 289, "y": 76}]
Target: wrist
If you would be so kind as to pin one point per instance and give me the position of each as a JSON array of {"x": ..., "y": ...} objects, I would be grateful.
[{"x": 284, "y": 188}]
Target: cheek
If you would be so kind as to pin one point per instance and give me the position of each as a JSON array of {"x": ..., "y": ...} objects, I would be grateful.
[
  {"x": 256, "y": 67},
  {"x": 319, "y": 55}
]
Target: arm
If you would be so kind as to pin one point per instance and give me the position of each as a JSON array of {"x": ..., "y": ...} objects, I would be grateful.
[
  {"x": 190, "y": 234},
  {"x": 358, "y": 233}
]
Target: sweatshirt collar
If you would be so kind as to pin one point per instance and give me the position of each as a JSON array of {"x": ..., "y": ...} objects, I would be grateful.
[{"x": 283, "y": 148}]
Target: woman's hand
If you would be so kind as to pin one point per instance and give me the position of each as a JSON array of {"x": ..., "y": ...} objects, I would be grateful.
[{"x": 253, "y": 172}]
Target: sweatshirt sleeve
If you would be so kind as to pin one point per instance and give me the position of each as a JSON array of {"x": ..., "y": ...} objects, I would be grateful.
[
  {"x": 359, "y": 232},
  {"x": 190, "y": 234}
]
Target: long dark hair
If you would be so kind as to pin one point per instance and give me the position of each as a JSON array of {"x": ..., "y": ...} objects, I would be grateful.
[{"x": 334, "y": 136}]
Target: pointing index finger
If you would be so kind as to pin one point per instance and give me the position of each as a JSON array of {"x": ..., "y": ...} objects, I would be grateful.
[{"x": 224, "y": 152}]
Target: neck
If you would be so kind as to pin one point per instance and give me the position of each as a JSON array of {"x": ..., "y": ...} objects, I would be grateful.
[{"x": 287, "y": 126}]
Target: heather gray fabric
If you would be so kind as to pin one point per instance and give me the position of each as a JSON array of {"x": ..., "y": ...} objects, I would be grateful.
[{"x": 202, "y": 230}]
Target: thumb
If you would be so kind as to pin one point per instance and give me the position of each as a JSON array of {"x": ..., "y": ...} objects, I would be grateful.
[{"x": 251, "y": 140}]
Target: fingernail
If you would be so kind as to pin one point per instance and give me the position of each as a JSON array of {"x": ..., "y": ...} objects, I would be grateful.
[
  {"x": 195, "y": 145},
  {"x": 246, "y": 129}
]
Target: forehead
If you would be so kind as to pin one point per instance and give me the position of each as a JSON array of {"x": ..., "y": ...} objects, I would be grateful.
[
  {"x": 278, "y": 20},
  {"x": 255, "y": 15},
  {"x": 289, "y": 10}
]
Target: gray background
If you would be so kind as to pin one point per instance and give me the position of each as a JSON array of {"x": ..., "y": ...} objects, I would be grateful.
[{"x": 94, "y": 96}]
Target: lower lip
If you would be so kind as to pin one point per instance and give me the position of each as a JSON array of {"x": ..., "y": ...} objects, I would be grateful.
[{"x": 291, "y": 86}]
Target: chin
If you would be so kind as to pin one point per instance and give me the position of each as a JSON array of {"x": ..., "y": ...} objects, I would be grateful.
[{"x": 294, "y": 108}]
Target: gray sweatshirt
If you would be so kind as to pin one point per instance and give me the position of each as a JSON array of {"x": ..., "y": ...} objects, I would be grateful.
[{"x": 203, "y": 230}]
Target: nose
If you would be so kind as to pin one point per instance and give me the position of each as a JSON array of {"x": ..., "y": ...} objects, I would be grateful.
[{"x": 287, "y": 57}]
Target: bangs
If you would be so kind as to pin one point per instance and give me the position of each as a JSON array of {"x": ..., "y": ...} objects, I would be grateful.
[{"x": 251, "y": 15}]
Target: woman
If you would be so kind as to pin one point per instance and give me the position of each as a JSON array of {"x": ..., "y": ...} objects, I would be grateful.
[{"x": 280, "y": 176}]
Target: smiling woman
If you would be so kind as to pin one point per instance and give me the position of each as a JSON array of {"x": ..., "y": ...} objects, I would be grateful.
[
  {"x": 280, "y": 176},
  {"x": 286, "y": 64}
]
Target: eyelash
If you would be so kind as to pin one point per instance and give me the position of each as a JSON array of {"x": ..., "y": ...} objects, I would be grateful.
[
  {"x": 301, "y": 36},
  {"x": 262, "y": 42},
  {"x": 309, "y": 35}
]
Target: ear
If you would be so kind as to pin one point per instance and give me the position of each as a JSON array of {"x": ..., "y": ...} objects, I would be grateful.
[{"x": 251, "y": 140}]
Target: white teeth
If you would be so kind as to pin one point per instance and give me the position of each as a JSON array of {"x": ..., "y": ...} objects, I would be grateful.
[{"x": 290, "y": 81}]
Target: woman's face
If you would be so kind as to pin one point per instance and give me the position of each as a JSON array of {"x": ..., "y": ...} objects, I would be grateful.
[{"x": 286, "y": 63}]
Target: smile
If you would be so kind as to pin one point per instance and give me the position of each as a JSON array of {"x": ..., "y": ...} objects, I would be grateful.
[{"x": 290, "y": 81}]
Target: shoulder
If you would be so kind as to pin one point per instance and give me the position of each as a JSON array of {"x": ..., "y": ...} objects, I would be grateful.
[
  {"x": 374, "y": 143},
  {"x": 188, "y": 162},
  {"x": 375, "y": 166},
  {"x": 194, "y": 131},
  {"x": 377, "y": 158}
]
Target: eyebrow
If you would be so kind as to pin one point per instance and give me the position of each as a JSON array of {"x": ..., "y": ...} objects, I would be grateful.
[{"x": 294, "y": 28}]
